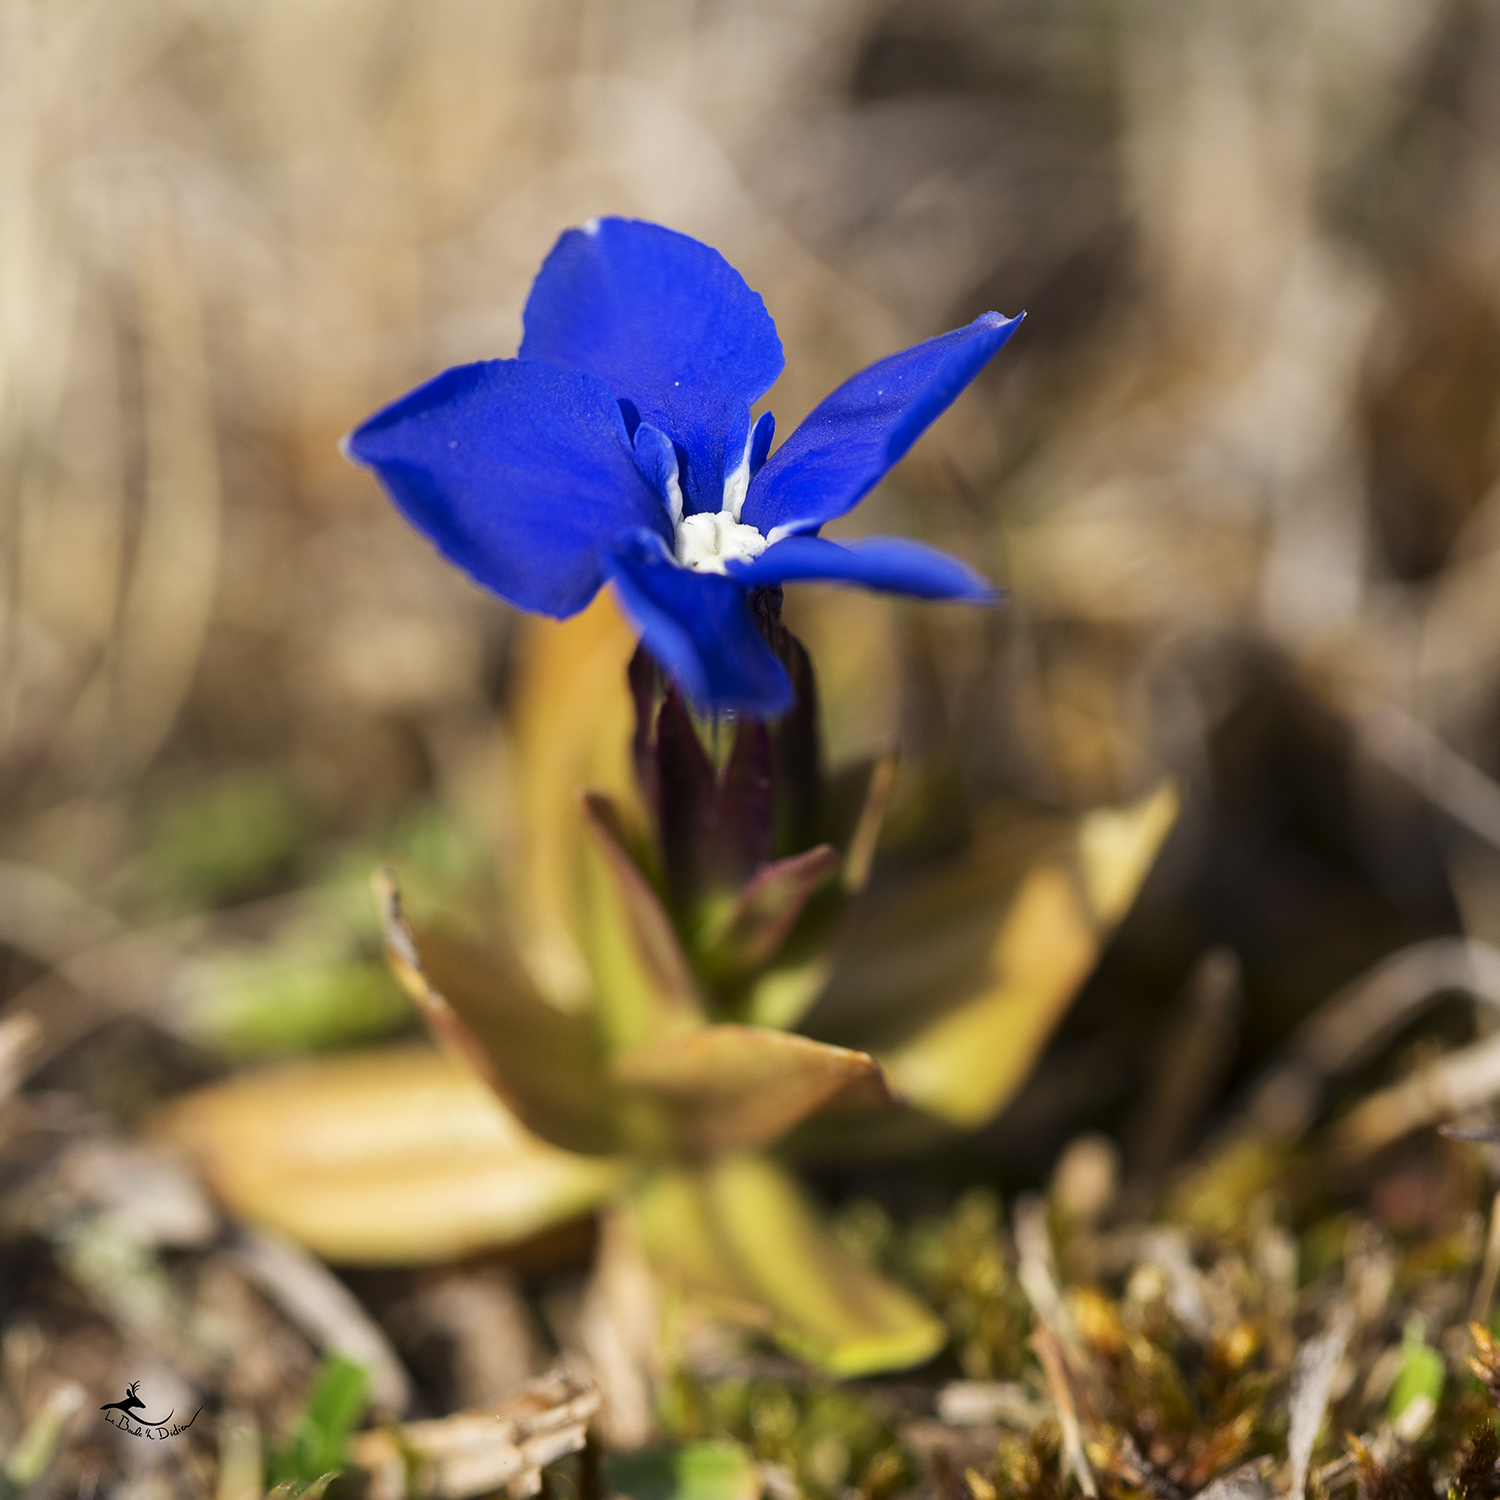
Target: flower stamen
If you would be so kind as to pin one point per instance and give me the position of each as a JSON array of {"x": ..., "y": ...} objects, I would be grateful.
[{"x": 707, "y": 541}]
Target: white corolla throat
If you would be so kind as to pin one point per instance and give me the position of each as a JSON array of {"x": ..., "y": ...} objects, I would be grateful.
[{"x": 707, "y": 541}]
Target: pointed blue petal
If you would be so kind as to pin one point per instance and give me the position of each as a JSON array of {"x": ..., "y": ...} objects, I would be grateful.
[
  {"x": 668, "y": 325},
  {"x": 851, "y": 439},
  {"x": 516, "y": 472},
  {"x": 700, "y": 629},
  {"x": 890, "y": 564},
  {"x": 760, "y": 442}
]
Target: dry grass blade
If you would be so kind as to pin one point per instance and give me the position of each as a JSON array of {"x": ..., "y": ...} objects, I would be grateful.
[
  {"x": 1312, "y": 1381},
  {"x": 1446, "y": 1087},
  {"x": 1446, "y": 779},
  {"x": 319, "y": 1303},
  {"x": 19, "y": 1035}
]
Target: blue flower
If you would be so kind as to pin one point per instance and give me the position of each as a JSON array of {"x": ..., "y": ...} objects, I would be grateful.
[{"x": 619, "y": 446}]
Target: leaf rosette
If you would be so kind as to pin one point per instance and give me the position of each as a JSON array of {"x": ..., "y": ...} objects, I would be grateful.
[{"x": 690, "y": 984}]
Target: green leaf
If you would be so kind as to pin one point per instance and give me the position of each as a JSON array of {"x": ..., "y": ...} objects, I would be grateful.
[
  {"x": 335, "y": 1407},
  {"x": 694, "y": 1471},
  {"x": 762, "y": 915},
  {"x": 734, "y": 1088},
  {"x": 226, "y": 839},
  {"x": 543, "y": 1063},
  {"x": 783, "y": 993},
  {"x": 294, "y": 1490},
  {"x": 740, "y": 1234},
  {"x": 300, "y": 995},
  {"x": 382, "y": 1157},
  {"x": 1421, "y": 1377},
  {"x": 644, "y": 987}
]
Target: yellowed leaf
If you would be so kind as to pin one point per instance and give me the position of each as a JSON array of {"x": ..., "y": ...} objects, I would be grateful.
[
  {"x": 388, "y": 1156},
  {"x": 1118, "y": 845},
  {"x": 643, "y": 986},
  {"x": 733, "y": 1088},
  {"x": 967, "y": 1063},
  {"x": 955, "y": 978},
  {"x": 741, "y": 1235},
  {"x": 476, "y": 999},
  {"x": 570, "y": 725}
]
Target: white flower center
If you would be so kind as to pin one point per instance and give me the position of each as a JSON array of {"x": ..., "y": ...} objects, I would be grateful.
[{"x": 707, "y": 541}]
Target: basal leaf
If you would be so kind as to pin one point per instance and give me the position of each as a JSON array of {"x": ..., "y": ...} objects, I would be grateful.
[
  {"x": 734, "y": 1088},
  {"x": 740, "y": 1234},
  {"x": 1010, "y": 933},
  {"x": 569, "y": 725},
  {"x": 643, "y": 985},
  {"x": 388, "y": 1156},
  {"x": 543, "y": 1063}
]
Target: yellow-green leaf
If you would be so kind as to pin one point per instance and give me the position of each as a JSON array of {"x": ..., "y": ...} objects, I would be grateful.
[
  {"x": 569, "y": 725},
  {"x": 387, "y": 1156},
  {"x": 968, "y": 1063},
  {"x": 734, "y": 1088},
  {"x": 766, "y": 909},
  {"x": 643, "y": 986},
  {"x": 783, "y": 993},
  {"x": 1006, "y": 936},
  {"x": 543, "y": 1063},
  {"x": 740, "y": 1234}
]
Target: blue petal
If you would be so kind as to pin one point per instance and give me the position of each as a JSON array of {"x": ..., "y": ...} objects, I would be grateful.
[
  {"x": 657, "y": 460},
  {"x": 668, "y": 325},
  {"x": 887, "y": 563},
  {"x": 516, "y": 472},
  {"x": 700, "y": 629},
  {"x": 760, "y": 442},
  {"x": 851, "y": 439}
]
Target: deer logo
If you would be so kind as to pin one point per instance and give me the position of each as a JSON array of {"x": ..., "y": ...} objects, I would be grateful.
[{"x": 132, "y": 1404}]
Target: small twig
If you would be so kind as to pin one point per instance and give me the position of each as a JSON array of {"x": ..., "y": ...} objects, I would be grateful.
[
  {"x": 1489, "y": 1273},
  {"x": 1044, "y": 1344},
  {"x": 1447, "y": 1086},
  {"x": 1037, "y": 1271}
]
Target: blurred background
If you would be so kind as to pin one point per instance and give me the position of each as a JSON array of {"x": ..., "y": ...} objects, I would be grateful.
[{"x": 1238, "y": 469}]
